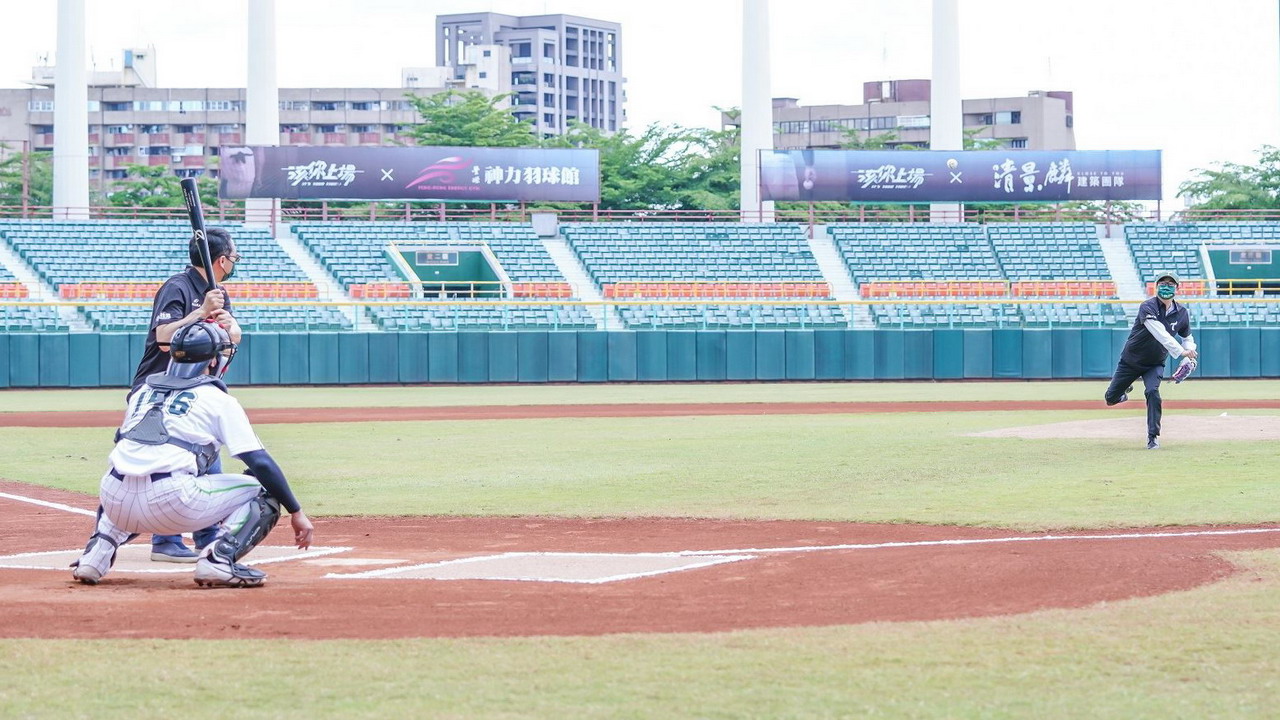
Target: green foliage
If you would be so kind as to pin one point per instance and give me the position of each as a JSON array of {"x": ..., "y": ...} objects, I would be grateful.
[
  {"x": 469, "y": 119},
  {"x": 1234, "y": 186},
  {"x": 666, "y": 167},
  {"x": 157, "y": 186},
  {"x": 39, "y": 181}
]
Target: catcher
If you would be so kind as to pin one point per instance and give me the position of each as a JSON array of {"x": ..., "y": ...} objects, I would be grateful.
[
  {"x": 1161, "y": 321},
  {"x": 172, "y": 431}
]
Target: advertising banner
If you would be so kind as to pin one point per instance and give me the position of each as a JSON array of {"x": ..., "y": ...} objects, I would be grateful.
[
  {"x": 410, "y": 173},
  {"x": 1012, "y": 176}
]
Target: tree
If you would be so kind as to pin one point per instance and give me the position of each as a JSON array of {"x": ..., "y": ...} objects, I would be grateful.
[
  {"x": 39, "y": 179},
  {"x": 157, "y": 186},
  {"x": 468, "y": 118},
  {"x": 667, "y": 167},
  {"x": 1234, "y": 186}
]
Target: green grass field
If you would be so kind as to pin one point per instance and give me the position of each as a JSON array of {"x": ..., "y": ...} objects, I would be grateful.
[{"x": 1206, "y": 652}]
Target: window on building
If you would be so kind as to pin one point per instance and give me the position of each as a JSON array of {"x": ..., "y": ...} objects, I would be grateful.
[
  {"x": 571, "y": 60},
  {"x": 326, "y": 105},
  {"x": 225, "y": 128},
  {"x": 488, "y": 53},
  {"x": 1018, "y": 143},
  {"x": 119, "y": 129},
  {"x": 483, "y": 74},
  {"x": 116, "y": 151},
  {"x": 152, "y": 128},
  {"x": 295, "y": 105},
  {"x": 117, "y": 174},
  {"x": 548, "y": 100},
  {"x": 549, "y": 50},
  {"x": 1009, "y": 117},
  {"x": 522, "y": 50},
  {"x": 117, "y": 106},
  {"x": 94, "y": 105},
  {"x": 362, "y": 128},
  {"x": 549, "y": 119},
  {"x": 571, "y": 84},
  {"x": 331, "y": 128},
  {"x": 42, "y": 129},
  {"x": 549, "y": 80},
  {"x": 913, "y": 121},
  {"x": 365, "y": 105},
  {"x": 40, "y": 106},
  {"x": 1070, "y": 121}
]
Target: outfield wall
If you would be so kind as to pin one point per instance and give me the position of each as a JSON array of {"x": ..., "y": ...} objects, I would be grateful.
[{"x": 30, "y": 360}]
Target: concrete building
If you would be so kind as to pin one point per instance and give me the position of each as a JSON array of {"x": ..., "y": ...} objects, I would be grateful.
[
  {"x": 132, "y": 122},
  {"x": 562, "y": 67},
  {"x": 1039, "y": 121}
]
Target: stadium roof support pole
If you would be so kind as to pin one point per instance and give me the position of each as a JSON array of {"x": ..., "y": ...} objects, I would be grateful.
[
  {"x": 946, "y": 114},
  {"x": 262, "y": 97},
  {"x": 757, "y": 108},
  {"x": 70, "y": 115}
]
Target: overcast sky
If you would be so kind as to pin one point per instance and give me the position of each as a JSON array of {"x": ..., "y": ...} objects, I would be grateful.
[{"x": 1199, "y": 80}]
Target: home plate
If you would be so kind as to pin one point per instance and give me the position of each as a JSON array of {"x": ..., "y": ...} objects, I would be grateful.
[
  {"x": 136, "y": 559},
  {"x": 590, "y": 568}
]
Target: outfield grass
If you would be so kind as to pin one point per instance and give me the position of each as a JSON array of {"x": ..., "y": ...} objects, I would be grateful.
[
  {"x": 912, "y": 467},
  {"x": 1208, "y": 652},
  {"x": 447, "y": 395}
]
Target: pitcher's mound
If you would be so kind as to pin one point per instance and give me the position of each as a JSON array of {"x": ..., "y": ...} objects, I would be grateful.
[{"x": 1184, "y": 427}]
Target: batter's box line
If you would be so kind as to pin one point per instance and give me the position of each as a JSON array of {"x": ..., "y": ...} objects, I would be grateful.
[
  {"x": 402, "y": 572},
  {"x": 303, "y": 555}
]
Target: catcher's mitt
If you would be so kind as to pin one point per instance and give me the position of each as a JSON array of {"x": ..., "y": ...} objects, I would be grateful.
[{"x": 1185, "y": 368}]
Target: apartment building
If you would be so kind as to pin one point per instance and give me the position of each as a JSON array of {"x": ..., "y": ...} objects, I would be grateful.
[
  {"x": 563, "y": 68},
  {"x": 1038, "y": 121}
]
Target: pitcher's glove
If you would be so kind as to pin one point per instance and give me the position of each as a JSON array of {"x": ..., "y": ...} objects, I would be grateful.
[{"x": 1185, "y": 368}]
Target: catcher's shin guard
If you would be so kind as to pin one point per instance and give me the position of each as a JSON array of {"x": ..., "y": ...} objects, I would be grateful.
[{"x": 264, "y": 513}]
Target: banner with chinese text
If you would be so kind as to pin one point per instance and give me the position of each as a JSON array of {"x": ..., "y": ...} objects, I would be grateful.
[
  {"x": 870, "y": 176},
  {"x": 410, "y": 173}
]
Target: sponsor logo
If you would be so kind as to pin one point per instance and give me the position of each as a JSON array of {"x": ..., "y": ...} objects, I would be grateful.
[{"x": 442, "y": 173}]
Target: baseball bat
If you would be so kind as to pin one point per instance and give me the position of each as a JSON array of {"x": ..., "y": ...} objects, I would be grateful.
[{"x": 191, "y": 195}]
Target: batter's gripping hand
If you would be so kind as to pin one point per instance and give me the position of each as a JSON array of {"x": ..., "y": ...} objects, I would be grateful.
[{"x": 1185, "y": 368}]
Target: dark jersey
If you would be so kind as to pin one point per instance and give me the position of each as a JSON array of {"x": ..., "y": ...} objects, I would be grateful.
[
  {"x": 1142, "y": 349},
  {"x": 177, "y": 297}
]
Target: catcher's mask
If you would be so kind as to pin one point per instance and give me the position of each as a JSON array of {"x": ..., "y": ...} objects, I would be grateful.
[{"x": 199, "y": 347}]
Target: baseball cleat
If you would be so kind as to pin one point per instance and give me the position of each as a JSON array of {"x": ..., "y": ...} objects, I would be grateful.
[
  {"x": 211, "y": 573},
  {"x": 86, "y": 574},
  {"x": 1153, "y": 443},
  {"x": 172, "y": 552}
]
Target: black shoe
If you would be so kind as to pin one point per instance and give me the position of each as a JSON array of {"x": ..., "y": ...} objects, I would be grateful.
[{"x": 1153, "y": 443}]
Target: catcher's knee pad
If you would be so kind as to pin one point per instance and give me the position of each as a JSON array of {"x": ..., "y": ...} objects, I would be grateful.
[{"x": 264, "y": 513}]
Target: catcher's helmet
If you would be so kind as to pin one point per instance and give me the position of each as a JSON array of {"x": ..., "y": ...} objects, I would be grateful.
[{"x": 197, "y": 347}]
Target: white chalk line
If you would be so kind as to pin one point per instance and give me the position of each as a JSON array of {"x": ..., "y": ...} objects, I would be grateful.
[
  {"x": 168, "y": 568},
  {"x": 982, "y": 541},
  {"x": 46, "y": 503},
  {"x": 401, "y": 572}
]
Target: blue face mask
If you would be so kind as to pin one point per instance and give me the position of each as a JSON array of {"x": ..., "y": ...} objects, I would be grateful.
[{"x": 1166, "y": 292}]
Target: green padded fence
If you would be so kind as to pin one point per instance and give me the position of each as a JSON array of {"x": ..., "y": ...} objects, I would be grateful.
[{"x": 33, "y": 360}]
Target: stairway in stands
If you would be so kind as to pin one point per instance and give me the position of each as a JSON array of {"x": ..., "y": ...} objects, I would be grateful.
[
  {"x": 584, "y": 288},
  {"x": 836, "y": 272}
]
